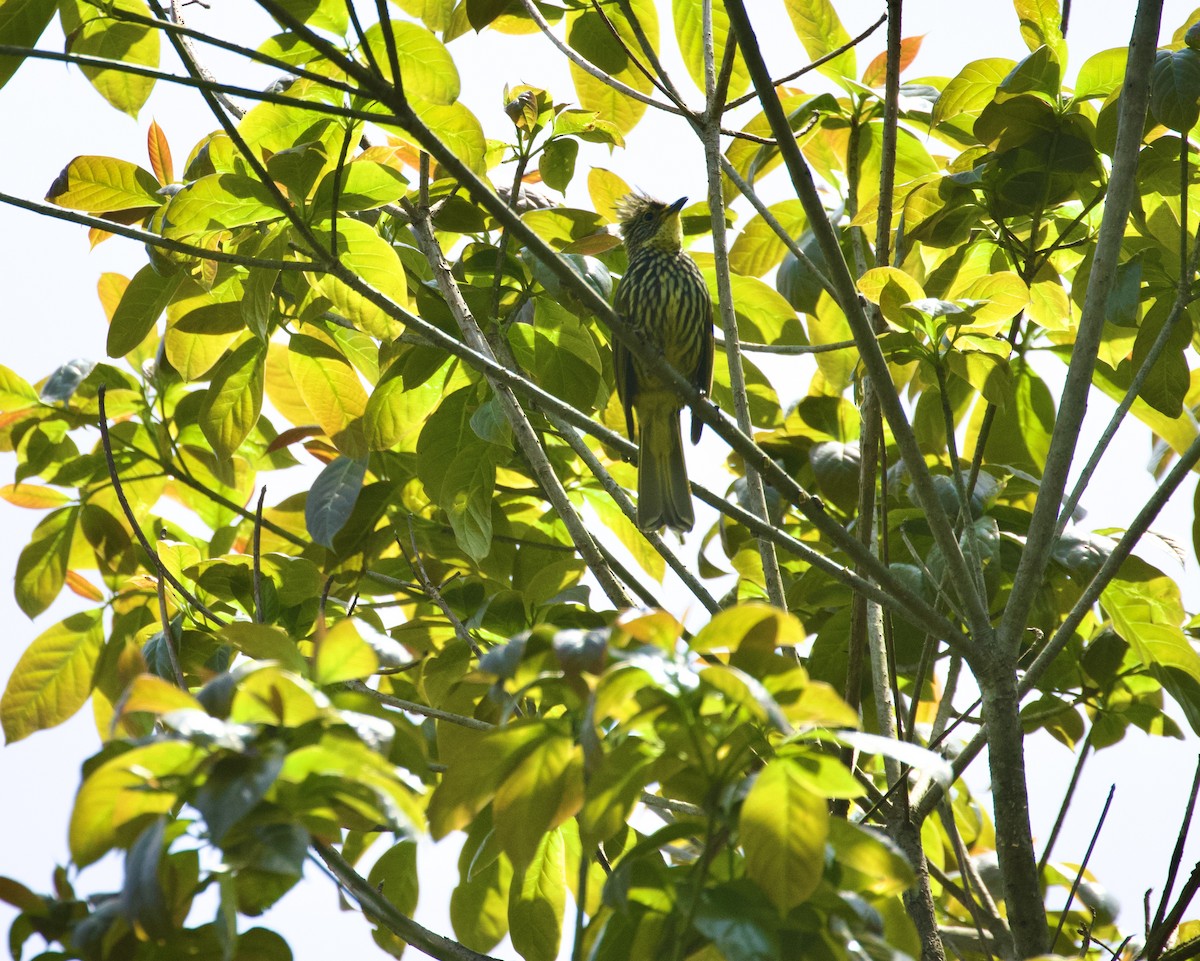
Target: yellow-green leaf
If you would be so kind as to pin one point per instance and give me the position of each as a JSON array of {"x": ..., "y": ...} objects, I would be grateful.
[
  {"x": 34, "y": 496},
  {"x": 821, "y": 32},
  {"x": 541, "y": 792},
  {"x": 589, "y": 36},
  {"x": 783, "y": 827},
  {"x": 331, "y": 391},
  {"x": 42, "y": 565},
  {"x": 123, "y": 790},
  {"x": 233, "y": 400},
  {"x": 219, "y": 201},
  {"x": 53, "y": 678},
  {"x": 537, "y": 899},
  {"x": 142, "y": 303},
  {"x": 104, "y": 185},
  {"x": 890, "y": 289},
  {"x": 92, "y": 32},
  {"x": 758, "y": 248},
  {"x": 342, "y": 655},
  {"x": 374, "y": 261},
  {"x": 749, "y": 624},
  {"x": 426, "y": 68},
  {"x": 21, "y": 24},
  {"x": 264, "y": 642},
  {"x": 689, "y": 21}
]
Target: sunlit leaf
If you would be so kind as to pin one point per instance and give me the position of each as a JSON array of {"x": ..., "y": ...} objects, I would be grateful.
[
  {"x": 53, "y": 678},
  {"x": 783, "y": 828}
]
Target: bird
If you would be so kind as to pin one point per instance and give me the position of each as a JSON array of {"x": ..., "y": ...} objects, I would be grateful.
[{"x": 664, "y": 300}]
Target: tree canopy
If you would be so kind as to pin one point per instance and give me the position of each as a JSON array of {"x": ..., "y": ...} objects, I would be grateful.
[{"x": 455, "y": 626}]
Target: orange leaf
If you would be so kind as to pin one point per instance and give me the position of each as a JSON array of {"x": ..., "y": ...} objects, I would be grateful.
[
  {"x": 160, "y": 153},
  {"x": 876, "y": 71},
  {"x": 291, "y": 435},
  {"x": 96, "y": 236},
  {"x": 83, "y": 587}
]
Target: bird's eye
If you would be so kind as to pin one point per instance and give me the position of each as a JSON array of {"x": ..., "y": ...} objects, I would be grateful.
[{"x": 647, "y": 216}]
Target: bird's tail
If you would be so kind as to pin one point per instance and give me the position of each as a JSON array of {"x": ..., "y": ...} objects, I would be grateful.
[{"x": 664, "y": 497}]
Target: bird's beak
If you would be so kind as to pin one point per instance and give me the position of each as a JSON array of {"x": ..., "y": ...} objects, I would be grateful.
[{"x": 677, "y": 206}]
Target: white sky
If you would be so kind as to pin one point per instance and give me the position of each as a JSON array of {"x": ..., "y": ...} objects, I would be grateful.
[{"x": 51, "y": 315}]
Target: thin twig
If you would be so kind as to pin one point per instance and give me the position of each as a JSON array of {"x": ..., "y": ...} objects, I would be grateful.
[
  {"x": 154, "y": 240},
  {"x": 114, "y": 476},
  {"x": 1177, "y": 853},
  {"x": 412, "y": 707},
  {"x": 257, "y": 554},
  {"x": 621, "y": 499},
  {"x": 380, "y": 910},
  {"x": 819, "y": 62},
  {"x": 431, "y": 590},
  {"x": 197, "y": 83},
  {"x": 169, "y": 635},
  {"x": 1082, "y": 868},
  {"x": 710, "y": 137}
]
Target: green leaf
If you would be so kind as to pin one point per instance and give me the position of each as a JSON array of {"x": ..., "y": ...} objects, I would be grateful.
[
  {"x": 741, "y": 925},
  {"x": 758, "y": 248},
  {"x": 1175, "y": 89},
  {"x": 1168, "y": 382},
  {"x": 15, "y": 392},
  {"x": 332, "y": 497},
  {"x": 263, "y": 642},
  {"x": 474, "y": 771},
  {"x": 688, "y": 16},
  {"x": 104, "y": 185},
  {"x": 233, "y": 787},
  {"x": 331, "y": 391},
  {"x": 753, "y": 624},
  {"x": 427, "y": 70},
  {"x": 216, "y": 202},
  {"x": 342, "y": 655},
  {"x": 396, "y": 413},
  {"x": 92, "y": 32},
  {"x": 375, "y": 262},
  {"x": 365, "y": 185},
  {"x": 589, "y": 36},
  {"x": 142, "y": 303},
  {"x": 539, "y": 793},
  {"x": 559, "y": 353},
  {"x": 537, "y": 899},
  {"x": 466, "y": 496},
  {"x": 234, "y": 397},
  {"x": 143, "y": 899},
  {"x": 558, "y": 163},
  {"x": 972, "y": 89},
  {"x": 42, "y": 566},
  {"x": 1101, "y": 74},
  {"x": 1041, "y": 25},
  {"x": 21, "y": 24},
  {"x": 869, "y": 859},
  {"x": 394, "y": 875},
  {"x": 821, "y": 32},
  {"x": 614, "y": 789},
  {"x": 783, "y": 827},
  {"x": 479, "y": 904},
  {"x": 53, "y": 678},
  {"x": 124, "y": 791},
  {"x": 1146, "y": 610}
]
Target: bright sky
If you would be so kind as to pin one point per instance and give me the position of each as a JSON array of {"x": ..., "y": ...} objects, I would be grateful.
[{"x": 52, "y": 315}]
